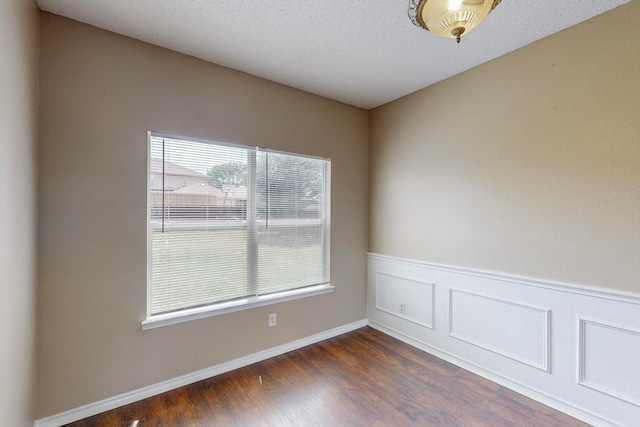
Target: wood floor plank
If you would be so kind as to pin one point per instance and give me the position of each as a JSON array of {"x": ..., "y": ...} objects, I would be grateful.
[{"x": 362, "y": 378}]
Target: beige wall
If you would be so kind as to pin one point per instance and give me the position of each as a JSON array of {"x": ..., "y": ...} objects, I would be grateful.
[
  {"x": 100, "y": 93},
  {"x": 18, "y": 135},
  {"x": 528, "y": 164}
]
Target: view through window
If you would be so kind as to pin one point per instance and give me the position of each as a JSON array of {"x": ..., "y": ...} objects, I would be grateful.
[{"x": 233, "y": 223}]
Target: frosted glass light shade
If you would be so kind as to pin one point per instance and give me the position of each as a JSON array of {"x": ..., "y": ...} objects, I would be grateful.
[{"x": 450, "y": 18}]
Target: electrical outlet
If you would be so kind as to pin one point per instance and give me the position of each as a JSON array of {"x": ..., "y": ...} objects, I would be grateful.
[
  {"x": 403, "y": 308},
  {"x": 272, "y": 320}
]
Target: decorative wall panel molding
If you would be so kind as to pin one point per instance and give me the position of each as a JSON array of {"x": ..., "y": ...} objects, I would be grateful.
[
  {"x": 406, "y": 298},
  {"x": 519, "y": 332},
  {"x": 609, "y": 359}
]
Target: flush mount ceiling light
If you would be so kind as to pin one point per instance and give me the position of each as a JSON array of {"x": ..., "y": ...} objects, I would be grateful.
[{"x": 450, "y": 18}]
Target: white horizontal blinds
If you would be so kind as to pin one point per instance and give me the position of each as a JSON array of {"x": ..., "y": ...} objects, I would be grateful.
[
  {"x": 229, "y": 222},
  {"x": 198, "y": 221},
  {"x": 291, "y": 213}
]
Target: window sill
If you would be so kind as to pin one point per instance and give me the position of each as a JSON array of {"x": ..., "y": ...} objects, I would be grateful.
[{"x": 230, "y": 307}]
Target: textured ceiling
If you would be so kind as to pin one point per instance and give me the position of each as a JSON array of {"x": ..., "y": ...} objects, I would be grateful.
[{"x": 360, "y": 52}]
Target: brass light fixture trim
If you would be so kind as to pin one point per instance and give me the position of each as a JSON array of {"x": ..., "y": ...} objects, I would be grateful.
[{"x": 449, "y": 18}]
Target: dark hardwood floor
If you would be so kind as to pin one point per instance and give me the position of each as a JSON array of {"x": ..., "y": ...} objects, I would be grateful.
[{"x": 362, "y": 378}]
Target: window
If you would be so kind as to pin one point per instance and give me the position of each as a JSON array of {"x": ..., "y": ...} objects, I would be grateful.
[{"x": 232, "y": 227}]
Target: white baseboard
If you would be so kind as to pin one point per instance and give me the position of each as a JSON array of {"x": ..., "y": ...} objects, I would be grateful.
[
  {"x": 155, "y": 389},
  {"x": 570, "y": 347}
]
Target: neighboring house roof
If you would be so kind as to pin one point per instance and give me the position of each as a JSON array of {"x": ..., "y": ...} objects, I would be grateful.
[
  {"x": 201, "y": 189},
  {"x": 173, "y": 169}
]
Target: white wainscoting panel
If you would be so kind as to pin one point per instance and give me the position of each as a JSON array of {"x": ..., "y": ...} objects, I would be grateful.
[
  {"x": 519, "y": 332},
  {"x": 609, "y": 360},
  {"x": 513, "y": 330},
  {"x": 406, "y": 298}
]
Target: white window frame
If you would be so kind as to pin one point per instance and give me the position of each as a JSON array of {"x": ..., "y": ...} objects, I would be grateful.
[{"x": 159, "y": 320}]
